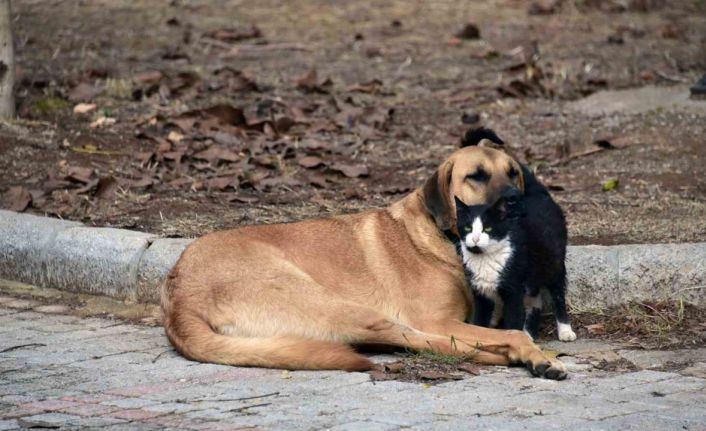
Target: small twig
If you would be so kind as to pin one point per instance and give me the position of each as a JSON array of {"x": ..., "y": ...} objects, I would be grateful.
[
  {"x": 274, "y": 47},
  {"x": 238, "y": 399},
  {"x": 672, "y": 62},
  {"x": 670, "y": 77},
  {"x": 240, "y": 409},
  {"x": 236, "y": 50},
  {"x": 22, "y": 346},
  {"x": 215, "y": 42},
  {"x": 665, "y": 318},
  {"x": 576, "y": 156},
  {"x": 156, "y": 358}
]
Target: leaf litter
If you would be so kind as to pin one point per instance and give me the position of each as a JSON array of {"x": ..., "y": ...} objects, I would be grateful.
[{"x": 341, "y": 115}]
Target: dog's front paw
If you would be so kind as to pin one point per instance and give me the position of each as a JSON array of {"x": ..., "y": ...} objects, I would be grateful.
[
  {"x": 551, "y": 369},
  {"x": 565, "y": 332}
]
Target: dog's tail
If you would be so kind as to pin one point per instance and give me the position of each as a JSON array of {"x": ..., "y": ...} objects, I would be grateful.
[
  {"x": 474, "y": 136},
  {"x": 195, "y": 339}
]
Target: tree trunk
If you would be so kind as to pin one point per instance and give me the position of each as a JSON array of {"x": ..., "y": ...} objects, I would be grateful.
[{"x": 7, "y": 63}]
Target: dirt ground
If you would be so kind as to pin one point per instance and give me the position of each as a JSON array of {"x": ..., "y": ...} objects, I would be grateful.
[{"x": 183, "y": 117}]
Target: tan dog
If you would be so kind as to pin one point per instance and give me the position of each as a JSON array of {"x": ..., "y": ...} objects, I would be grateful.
[{"x": 297, "y": 295}]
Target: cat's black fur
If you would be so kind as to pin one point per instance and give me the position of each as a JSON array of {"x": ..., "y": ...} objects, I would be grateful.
[
  {"x": 539, "y": 255},
  {"x": 501, "y": 220}
]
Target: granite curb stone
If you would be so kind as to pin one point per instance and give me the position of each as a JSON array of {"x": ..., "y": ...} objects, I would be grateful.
[
  {"x": 132, "y": 265},
  {"x": 24, "y": 242},
  {"x": 155, "y": 264}
]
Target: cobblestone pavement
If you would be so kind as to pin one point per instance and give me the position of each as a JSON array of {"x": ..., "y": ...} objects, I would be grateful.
[{"x": 60, "y": 371}]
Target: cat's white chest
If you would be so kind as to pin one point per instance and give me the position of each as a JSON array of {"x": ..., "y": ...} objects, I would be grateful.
[{"x": 487, "y": 267}]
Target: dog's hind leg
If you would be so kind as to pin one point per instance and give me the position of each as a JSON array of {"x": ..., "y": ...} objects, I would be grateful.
[{"x": 367, "y": 326}]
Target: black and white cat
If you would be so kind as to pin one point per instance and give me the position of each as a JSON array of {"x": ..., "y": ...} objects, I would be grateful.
[{"x": 511, "y": 251}]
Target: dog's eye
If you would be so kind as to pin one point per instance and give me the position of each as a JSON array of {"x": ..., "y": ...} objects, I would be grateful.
[
  {"x": 512, "y": 173},
  {"x": 480, "y": 175},
  {"x": 488, "y": 230}
]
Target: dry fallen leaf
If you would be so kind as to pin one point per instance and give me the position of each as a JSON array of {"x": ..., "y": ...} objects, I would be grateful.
[
  {"x": 366, "y": 87},
  {"x": 469, "y": 31},
  {"x": 596, "y": 329},
  {"x": 79, "y": 174},
  {"x": 351, "y": 171},
  {"x": 142, "y": 182},
  {"x": 243, "y": 199},
  {"x": 310, "y": 162},
  {"x": 312, "y": 145},
  {"x": 102, "y": 121},
  {"x": 438, "y": 375},
  {"x": 83, "y": 92},
  {"x": 469, "y": 368},
  {"x": 318, "y": 180},
  {"x": 148, "y": 77},
  {"x": 175, "y": 137},
  {"x": 221, "y": 183},
  {"x": 394, "y": 367},
  {"x": 227, "y": 114},
  {"x": 106, "y": 188},
  {"x": 84, "y": 108},
  {"x": 214, "y": 153},
  {"x": 310, "y": 82},
  {"x": 230, "y": 35},
  {"x": 16, "y": 199}
]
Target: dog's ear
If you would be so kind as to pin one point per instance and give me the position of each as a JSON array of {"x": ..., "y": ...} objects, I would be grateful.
[
  {"x": 474, "y": 136},
  {"x": 436, "y": 196},
  {"x": 521, "y": 171}
]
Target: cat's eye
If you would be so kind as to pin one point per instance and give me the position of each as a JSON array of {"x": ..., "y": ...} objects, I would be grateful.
[
  {"x": 466, "y": 229},
  {"x": 488, "y": 229}
]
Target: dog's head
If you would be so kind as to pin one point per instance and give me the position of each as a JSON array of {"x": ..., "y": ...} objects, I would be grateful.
[{"x": 477, "y": 175}]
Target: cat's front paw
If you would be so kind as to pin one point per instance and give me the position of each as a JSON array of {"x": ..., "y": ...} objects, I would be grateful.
[{"x": 565, "y": 332}]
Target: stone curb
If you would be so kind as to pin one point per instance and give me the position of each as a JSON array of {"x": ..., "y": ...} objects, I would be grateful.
[{"x": 132, "y": 265}]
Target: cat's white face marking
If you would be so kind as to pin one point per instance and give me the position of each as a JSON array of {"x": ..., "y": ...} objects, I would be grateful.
[
  {"x": 477, "y": 238},
  {"x": 565, "y": 332},
  {"x": 487, "y": 266}
]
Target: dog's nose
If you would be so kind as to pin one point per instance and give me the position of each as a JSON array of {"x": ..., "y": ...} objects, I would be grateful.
[{"x": 511, "y": 194}]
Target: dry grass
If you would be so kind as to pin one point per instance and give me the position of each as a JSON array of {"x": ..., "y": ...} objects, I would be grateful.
[{"x": 654, "y": 325}]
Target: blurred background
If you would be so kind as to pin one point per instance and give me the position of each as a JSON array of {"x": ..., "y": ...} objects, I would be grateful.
[{"x": 183, "y": 117}]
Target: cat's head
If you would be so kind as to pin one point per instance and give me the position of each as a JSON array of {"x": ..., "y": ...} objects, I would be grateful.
[{"x": 482, "y": 227}]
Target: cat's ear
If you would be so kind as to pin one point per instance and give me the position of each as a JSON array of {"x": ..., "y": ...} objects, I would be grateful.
[
  {"x": 501, "y": 208},
  {"x": 517, "y": 209},
  {"x": 474, "y": 136},
  {"x": 460, "y": 206},
  {"x": 510, "y": 209}
]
